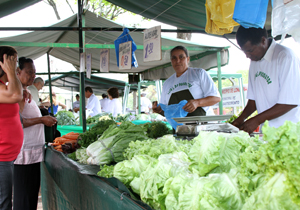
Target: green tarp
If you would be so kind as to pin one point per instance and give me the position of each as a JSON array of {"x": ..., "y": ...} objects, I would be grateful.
[{"x": 68, "y": 185}]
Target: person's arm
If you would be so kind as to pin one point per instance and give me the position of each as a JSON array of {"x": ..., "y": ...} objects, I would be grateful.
[
  {"x": 62, "y": 105},
  {"x": 193, "y": 104},
  {"x": 249, "y": 109},
  {"x": 274, "y": 112},
  {"x": 13, "y": 92},
  {"x": 157, "y": 109},
  {"x": 46, "y": 120}
]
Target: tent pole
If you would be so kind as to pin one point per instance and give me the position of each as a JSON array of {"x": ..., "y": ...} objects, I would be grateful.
[
  {"x": 139, "y": 97},
  {"x": 50, "y": 91},
  {"x": 220, "y": 83},
  {"x": 81, "y": 22},
  {"x": 242, "y": 92}
]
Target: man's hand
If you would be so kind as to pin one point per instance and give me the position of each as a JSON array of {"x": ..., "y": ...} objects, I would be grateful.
[
  {"x": 155, "y": 108},
  {"x": 49, "y": 120},
  {"x": 250, "y": 125},
  {"x": 27, "y": 95},
  {"x": 191, "y": 106},
  {"x": 238, "y": 122}
]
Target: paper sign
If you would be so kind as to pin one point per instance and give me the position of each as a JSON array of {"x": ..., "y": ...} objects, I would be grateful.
[
  {"x": 82, "y": 62},
  {"x": 104, "y": 60},
  {"x": 152, "y": 44},
  {"x": 125, "y": 55},
  {"x": 231, "y": 97},
  {"x": 88, "y": 65}
]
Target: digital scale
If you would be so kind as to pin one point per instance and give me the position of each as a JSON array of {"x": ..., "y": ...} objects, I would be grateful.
[{"x": 193, "y": 125}]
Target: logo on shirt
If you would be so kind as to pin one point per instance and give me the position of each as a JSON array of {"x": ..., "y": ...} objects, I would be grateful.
[
  {"x": 179, "y": 85},
  {"x": 263, "y": 75}
]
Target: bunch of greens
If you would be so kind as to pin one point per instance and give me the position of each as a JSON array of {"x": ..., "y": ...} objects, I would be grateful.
[
  {"x": 90, "y": 136},
  {"x": 93, "y": 119},
  {"x": 81, "y": 155},
  {"x": 123, "y": 118},
  {"x": 111, "y": 145},
  {"x": 106, "y": 171},
  {"x": 65, "y": 118},
  {"x": 157, "y": 129},
  {"x": 156, "y": 147}
]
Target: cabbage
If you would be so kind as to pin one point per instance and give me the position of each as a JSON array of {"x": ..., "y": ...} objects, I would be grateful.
[{"x": 144, "y": 117}]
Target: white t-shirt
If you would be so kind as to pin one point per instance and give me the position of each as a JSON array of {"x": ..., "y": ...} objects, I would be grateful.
[
  {"x": 115, "y": 107},
  {"x": 275, "y": 79},
  {"x": 104, "y": 104},
  {"x": 34, "y": 93},
  {"x": 76, "y": 104},
  {"x": 146, "y": 104},
  {"x": 94, "y": 105},
  {"x": 32, "y": 150},
  {"x": 196, "y": 80}
]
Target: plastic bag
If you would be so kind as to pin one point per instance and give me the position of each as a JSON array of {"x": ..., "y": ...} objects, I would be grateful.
[
  {"x": 125, "y": 37},
  {"x": 219, "y": 16},
  {"x": 286, "y": 19},
  {"x": 174, "y": 110},
  {"x": 251, "y": 13}
]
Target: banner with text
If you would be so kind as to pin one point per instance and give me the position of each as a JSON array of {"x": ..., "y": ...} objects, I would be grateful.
[{"x": 232, "y": 97}]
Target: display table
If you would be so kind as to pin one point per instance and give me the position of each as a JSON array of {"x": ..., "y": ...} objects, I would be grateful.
[
  {"x": 69, "y": 185},
  {"x": 64, "y": 129}
]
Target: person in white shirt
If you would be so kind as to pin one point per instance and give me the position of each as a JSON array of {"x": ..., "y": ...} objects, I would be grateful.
[
  {"x": 146, "y": 104},
  {"x": 115, "y": 106},
  {"x": 191, "y": 84},
  {"x": 93, "y": 103},
  {"x": 34, "y": 89},
  {"x": 274, "y": 81},
  {"x": 104, "y": 103},
  {"x": 76, "y": 104}
]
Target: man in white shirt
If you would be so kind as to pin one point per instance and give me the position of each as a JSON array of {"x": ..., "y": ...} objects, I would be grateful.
[
  {"x": 93, "y": 103},
  {"x": 37, "y": 85},
  {"x": 274, "y": 81},
  {"x": 104, "y": 103},
  {"x": 146, "y": 104},
  {"x": 76, "y": 104}
]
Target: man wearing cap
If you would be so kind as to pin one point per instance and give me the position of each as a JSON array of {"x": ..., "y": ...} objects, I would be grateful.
[{"x": 146, "y": 104}]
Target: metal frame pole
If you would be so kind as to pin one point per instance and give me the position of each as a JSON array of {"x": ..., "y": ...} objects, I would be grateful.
[{"x": 220, "y": 83}]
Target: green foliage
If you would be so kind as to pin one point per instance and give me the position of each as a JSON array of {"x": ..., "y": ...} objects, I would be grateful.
[
  {"x": 106, "y": 171},
  {"x": 157, "y": 129},
  {"x": 65, "y": 118}
]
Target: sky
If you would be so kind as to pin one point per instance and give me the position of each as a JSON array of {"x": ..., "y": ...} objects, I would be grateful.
[{"x": 41, "y": 14}]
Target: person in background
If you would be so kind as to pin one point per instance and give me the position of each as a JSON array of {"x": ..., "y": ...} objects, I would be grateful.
[
  {"x": 55, "y": 104},
  {"x": 11, "y": 137},
  {"x": 274, "y": 81},
  {"x": 76, "y": 104},
  {"x": 104, "y": 102},
  {"x": 34, "y": 89},
  {"x": 146, "y": 104},
  {"x": 27, "y": 164},
  {"x": 191, "y": 84},
  {"x": 93, "y": 103},
  {"x": 115, "y": 106}
]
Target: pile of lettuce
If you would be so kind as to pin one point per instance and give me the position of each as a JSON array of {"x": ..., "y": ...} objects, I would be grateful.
[
  {"x": 65, "y": 118},
  {"x": 215, "y": 170}
]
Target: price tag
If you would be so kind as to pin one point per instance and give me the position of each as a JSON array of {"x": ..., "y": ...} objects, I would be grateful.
[
  {"x": 104, "y": 60},
  {"x": 88, "y": 65},
  {"x": 152, "y": 44},
  {"x": 125, "y": 52},
  {"x": 82, "y": 62}
]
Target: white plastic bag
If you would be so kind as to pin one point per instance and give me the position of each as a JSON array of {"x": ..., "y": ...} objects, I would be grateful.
[{"x": 286, "y": 18}]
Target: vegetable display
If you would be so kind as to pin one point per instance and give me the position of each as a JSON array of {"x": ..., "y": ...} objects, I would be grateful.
[
  {"x": 215, "y": 170},
  {"x": 65, "y": 118}
]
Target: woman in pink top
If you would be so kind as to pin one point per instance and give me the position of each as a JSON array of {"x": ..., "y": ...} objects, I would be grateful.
[{"x": 11, "y": 132}]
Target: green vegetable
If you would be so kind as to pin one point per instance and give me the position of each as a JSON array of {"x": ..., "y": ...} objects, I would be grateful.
[
  {"x": 143, "y": 117},
  {"x": 65, "y": 118},
  {"x": 106, "y": 171},
  {"x": 157, "y": 129},
  {"x": 72, "y": 156},
  {"x": 81, "y": 155},
  {"x": 93, "y": 133}
]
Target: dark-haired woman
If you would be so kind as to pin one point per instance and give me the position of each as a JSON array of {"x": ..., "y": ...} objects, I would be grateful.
[
  {"x": 191, "y": 84},
  {"x": 27, "y": 164},
  {"x": 115, "y": 106},
  {"x": 11, "y": 131}
]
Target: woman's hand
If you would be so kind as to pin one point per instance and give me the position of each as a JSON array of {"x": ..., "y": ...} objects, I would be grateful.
[
  {"x": 157, "y": 109},
  {"x": 9, "y": 64},
  {"x": 191, "y": 106}
]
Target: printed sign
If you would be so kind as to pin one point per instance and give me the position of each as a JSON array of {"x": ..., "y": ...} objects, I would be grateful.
[
  {"x": 104, "y": 60},
  {"x": 88, "y": 65},
  {"x": 231, "y": 97},
  {"x": 82, "y": 62},
  {"x": 125, "y": 51},
  {"x": 152, "y": 44}
]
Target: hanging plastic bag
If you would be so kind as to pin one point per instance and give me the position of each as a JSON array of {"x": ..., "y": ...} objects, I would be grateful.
[
  {"x": 219, "y": 16},
  {"x": 251, "y": 14},
  {"x": 125, "y": 37},
  {"x": 286, "y": 18},
  {"x": 174, "y": 110}
]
